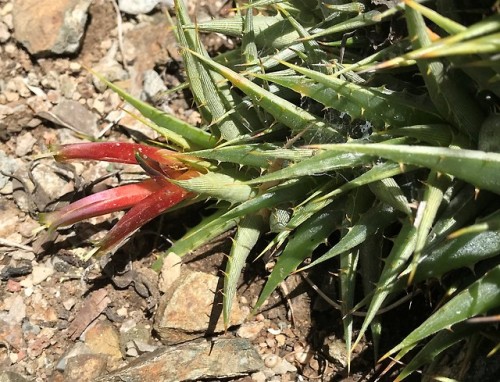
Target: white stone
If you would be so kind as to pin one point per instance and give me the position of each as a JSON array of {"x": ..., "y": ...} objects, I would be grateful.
[
  {"x": 41, "y": 273},
  {"x": 136, "y": 7}
]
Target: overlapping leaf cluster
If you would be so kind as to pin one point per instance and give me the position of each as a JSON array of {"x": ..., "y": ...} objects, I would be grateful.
[{"x": 396, "y": 153}]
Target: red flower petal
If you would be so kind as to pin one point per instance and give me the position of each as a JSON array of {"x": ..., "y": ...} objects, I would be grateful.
[
  {"x": 143, "y": 212},
  {"x": 101, "y": 203},
  {"x": 121, "y": 152}
]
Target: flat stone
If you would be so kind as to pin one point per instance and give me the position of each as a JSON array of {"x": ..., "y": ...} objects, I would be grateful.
[
  {"x": 10, "y": 376},
  {"x": 250, "y": 330},
  {"x": 17, "y": 311},
  {"x": 187, "y": 311},
  {"x": 74, "y": 116},
  {"x": 50, "y": 185},
  {"x": 153, "y": 84},
  {"x": 24, "y": 144},
  {"x": 85, "y": 367},
  {"x": 47, "y": 27},
  {"x": 78, "y": 348},
  {"x": 103, "y": 338},
  {"x": 8, "y": 165},
  {"x": 41, "y": 273},
  {"x": 191, "y": 361}
]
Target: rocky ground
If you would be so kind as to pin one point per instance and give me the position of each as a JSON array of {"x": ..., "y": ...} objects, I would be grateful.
[{"x": 61, "y": 320}]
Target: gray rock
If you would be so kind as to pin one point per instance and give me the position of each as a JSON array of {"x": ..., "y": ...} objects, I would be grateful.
[
  {"x": 135, "y": 336},
  {"x": 110, "y": 69},
  {"x": 49, "y": 185},
  {"x": 8, "y": 165},
  {"x": 48, "y": 27},
  {"x": 74, "y": 116},
  {"x": 10, "y": 376},
  {"x": 78, "y": 349},
  {"x": 153, "y": 84},
  {"x": 24, "y": 144},
  {"x": 191, "y": 361}
]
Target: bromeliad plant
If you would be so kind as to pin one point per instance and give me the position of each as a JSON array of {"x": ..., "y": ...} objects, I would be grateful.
[{"x": 309, "y": 137}]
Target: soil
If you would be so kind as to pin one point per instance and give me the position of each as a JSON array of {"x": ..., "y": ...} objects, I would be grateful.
[{"x": 36, "y": 314}]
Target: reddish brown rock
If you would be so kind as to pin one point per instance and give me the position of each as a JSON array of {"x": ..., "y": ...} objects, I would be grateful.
[
  {"x": 190, "y": 309},
  {"x": 103, "y": 338},
  {"x": 85, "y": 367},
  {"x": 50, "y": 26}
]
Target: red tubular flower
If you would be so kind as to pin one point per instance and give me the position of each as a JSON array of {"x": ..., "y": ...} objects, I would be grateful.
[
  {"x": 146, "y": 199},
  {"x": 142, "y": 213},
  {"x": 104, "y": 202},
  {"x": 119, "y": 152}
]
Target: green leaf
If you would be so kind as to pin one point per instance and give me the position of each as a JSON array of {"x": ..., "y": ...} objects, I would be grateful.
[
  {"x": 218, "y": 186},
  {"x": 318, "y": 202},
  {"x": 318, "y": 164},
  {"x": 249, "y": 230},
  {"x": 389, "y": 192},
  {"x": 258, "y": 155},
  {"x": 478, "y": 298},
  {"x": 401, "y": 251},
  {"x": 304, "y": 241},
  {"x": 477, "y": 167},
  {"x": 448, "y": 94},
  {"x": 463, "y": 251},
  {"x": 370, "y": 223},
  {"x": 439, "y": 343},
  {"x": 381, "y": 107},
  {"x": 289, "y": 114}
]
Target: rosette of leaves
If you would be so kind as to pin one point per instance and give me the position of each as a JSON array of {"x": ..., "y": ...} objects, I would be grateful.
[{"x": 319, "y": 126}]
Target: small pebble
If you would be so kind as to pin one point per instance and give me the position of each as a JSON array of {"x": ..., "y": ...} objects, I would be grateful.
[
  {"x": 41, "y": 273},
  {"x": 274, "y": 332},
  {"x": 284, "y": 367},
  {"x": 24, "y": 144},
  {"x": 75, "y": 67},
  {"x": 13, "y": 286},
  {"x": 271, "y": 360},
  {"x": 280, "y": 339},
  {"x": 250, "y": 330},
  {"x": 271, "y": 342},
  {"x": 13, "y": 357},
  {"x": 122, "y": 312},
  {"x": 258, "y": 377},
  {"x": 69, "y": 303}
]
